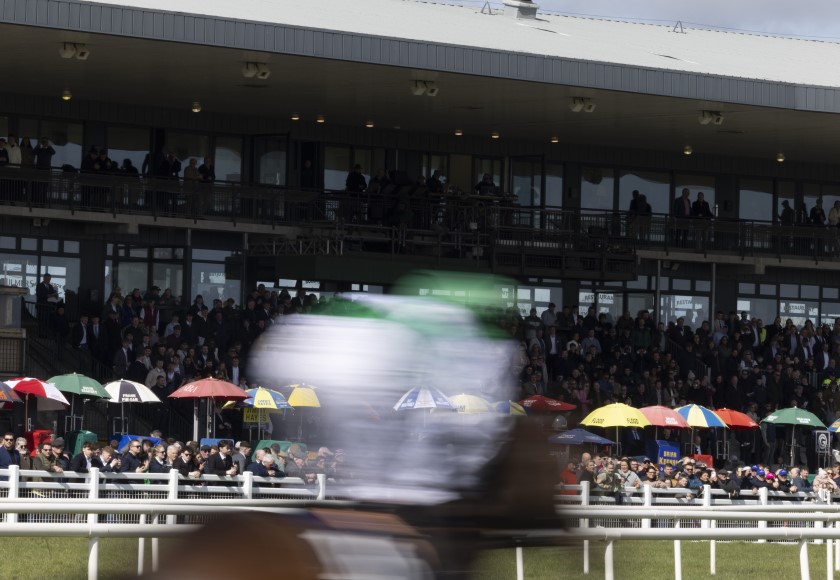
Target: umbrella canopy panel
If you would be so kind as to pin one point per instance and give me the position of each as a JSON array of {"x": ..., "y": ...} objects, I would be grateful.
[
  {"x": 541, "y": 403},
  {"x": 424, "y": 398},
  {"x": 660, "y": 416},
  {"x": 130, "y": 392},
  {"x": 37, "y": 388},
  {"x": 77, "y": 384},
  {"x": 470, "y": 404},
  {"x": 736, "y": 420},
  {"x": 793, "y": 416},
  {"x": 616, "y": 415},
  {"x": 701, "y": 417},
  {"x": 210, "y": 388},
  {"x": 303, "y": 396}
]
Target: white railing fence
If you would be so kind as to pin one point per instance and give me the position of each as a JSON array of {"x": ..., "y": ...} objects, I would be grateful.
[{"x": 135, "y": 505}]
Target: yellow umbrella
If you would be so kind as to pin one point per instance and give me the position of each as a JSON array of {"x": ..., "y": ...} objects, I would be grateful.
[
  {"x": 616, "y": 415},
  {"x": 303, "y": 396},
  {"x": 470, "y": 404}
]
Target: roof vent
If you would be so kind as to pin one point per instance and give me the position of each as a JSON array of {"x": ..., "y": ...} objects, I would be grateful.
[{"x": 522, "y": 9}]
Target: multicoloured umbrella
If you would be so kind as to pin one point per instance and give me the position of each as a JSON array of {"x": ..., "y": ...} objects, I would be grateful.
[
  {"x": 424, "y": 398},
  {"x": 8, "y": 395},
  {"x": 37, "y": 388},
  {"x": 541, "y": 403},
  {"x": 700, "y": 417},
  {"x": 834, "y": 426},
  {"x": 736, "y": 420},
  {"x": 509, "y": 408},
  {"x": 261, "y": 398},
  {"x": 470, "y": 404},
  {"x": 124, "y": 391}
]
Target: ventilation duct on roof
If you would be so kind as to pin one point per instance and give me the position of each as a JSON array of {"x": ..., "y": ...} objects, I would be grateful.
[{"x": 522, "y": 9}]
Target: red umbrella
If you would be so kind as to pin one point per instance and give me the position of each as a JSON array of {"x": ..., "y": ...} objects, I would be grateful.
[
  {"x": 216, "y": 389},
  {"x": 37, "y": 388},
  {"x": 540, "y": 403},
  {"x": 736, "y": 419},
  {"x": 664, "y": 417}
]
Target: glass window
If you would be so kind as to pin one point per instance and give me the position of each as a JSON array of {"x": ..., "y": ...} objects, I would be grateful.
[
  {"x": 337, "y": 164},
  {"x": 769, "y": 289},
  {"x": 209, "y": 280},
  {"x": 656, "y": 187},
  {"x": 65, "y": 275},
  {"x": 132, "y": 275},
  {"x": 763, "y": 308},
  {"x": 746, "y": 288},
  {"x": 786, "y": 191},
  {"x": 137, "y": 252},
  {"x": 436, "y": 162},
  {"x": 789, "y": 290},
  {"x": 807, "y": 291},
  {"x": 128, "y": 143},
  {"x": 553, "y": 185},
  {"x": 597, "y": 189},
  {"x": 703, "y": 285},
  {"x": 19, "y": 271},
  {"x": 65, "y": 138},
  {"x": 186, "y": 146},
  {"x": 680, "y": 284},
  {"x": 49, "y": 245},
  {"x": 641, "y": 283},
  {"x": 611, "y": 304},
  {"x": 696, "y": 184},
  {"x": 695, "y": 309},
  {"x": 30, "y": 244},
  {"x": 799, "y": 311},
  {"x": 664, "y": 282},
  {"x": 491, "y": 165},
  {"x": 227, "y": 159},
  {"x": 755, "y": 199},
  {"x": 71, "y": 247},
  {"x": 526, "y": 181},
  {"x": 831, "y": 293},
  {"x": 270, "y": 159},
  {"x": 8, "y": 242},
  {"x": 216, "y": 255},
  {"x": 169, "y": 276},
  {"x": 829, "y": 311}
]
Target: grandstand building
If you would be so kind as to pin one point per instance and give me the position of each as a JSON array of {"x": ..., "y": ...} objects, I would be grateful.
[{"x": 568, "y": 117}]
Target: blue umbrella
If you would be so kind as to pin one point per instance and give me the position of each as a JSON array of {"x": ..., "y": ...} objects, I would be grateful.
[
  {"x": 424, "y": 398},
  {"x": 579, "y": 437}
]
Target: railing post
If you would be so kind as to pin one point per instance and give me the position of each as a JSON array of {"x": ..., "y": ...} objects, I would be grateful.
[
  {"x": 762, "y": 498},
  {"x": 677, "y": 554},
  {"x": 584, "y": 523},
  {"x": 804, "y": 568},
  {"x": 609, "y": 573},
  {"x": 322, "y": 486},
  {"x": 829, "y": 559},
  {"x": 14, "y": 490},
  {"x": 713, "y": 552},
  {"x": 92, "y": 519},
  {"x": 707, "y": 502},
  {"x": 819, "y": 525},
  {"x": 247, "y": 479},
  {"x": 836, "y": 548},
  {"x": 520, "y": 565},
  {"x": 172, "y": 493},
  {"x": 647, "y": 493},
  {"x": 141, "y": 548}
]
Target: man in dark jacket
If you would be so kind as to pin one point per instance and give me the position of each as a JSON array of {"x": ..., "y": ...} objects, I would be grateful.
[
  {"x": 84, "y": 461},
  {"x": 185, "y": 464},
  {"x": 8, "y": 454},
  {"x": 131, "y": 462},
  {"x": 221, "y": 463}
]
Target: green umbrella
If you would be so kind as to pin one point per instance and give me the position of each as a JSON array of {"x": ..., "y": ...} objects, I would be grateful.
[
  {"x": 793, "y": 416},
  {"x": 78, "y": 385}
]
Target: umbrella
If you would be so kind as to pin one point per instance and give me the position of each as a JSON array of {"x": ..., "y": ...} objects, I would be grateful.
[
  {"x": 208, "y": 389},
  {"x": 736, "y": 420},
  {"x": 302, "y": 395},
  {"x": 124, "y": 391},
  {"x": 37, "y": 388},
  {"x": 470, "y": 404},
  {"x": 616, "y": 415},
  {"x": 579, "y": 437},
  {"x": 540, "y": 403},
  {"x": 834, "y": 426},
  {"x": 660, "y": 416},
  {"x": 509, "y": 408},
  {"x": 78, "y": 385},
  {"x": 261, "y": 398},
  {"x": 794, "y": 417},
  {"x": 8, "y": 394},
  {"x": 699, "y": 416},
  {"x": 424, "y": 398}
]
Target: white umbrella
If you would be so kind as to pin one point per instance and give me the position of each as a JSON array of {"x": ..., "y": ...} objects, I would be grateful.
[{"x": 123, "y": 391}]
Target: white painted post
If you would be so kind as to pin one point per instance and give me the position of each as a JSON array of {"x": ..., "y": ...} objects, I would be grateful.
[
  {"x": 141, "y": 548},
  {"x": 322, "y": 486},
  {"x": 837, "y": 549},
  {"x": 172, "y": 493},
  {"x": 647, "y": 493},
  {"x": 155, "y": 546},
  {"x": 712, "y": 552},
  {"x": 609, "y": 573},
  {"x": 762, "y": 499},
  {"x": 818, "y": 525},
  {"x": 677, "y": 553},
  {"x": 247, "y": 480},
  {"x": 829, "y": 559},
  {"x": 93, "y": 541},
  {"x": 804, "y": 568},
  {"x": 584, "y": 523},
  {"x": 520, "y": 566},
  {"x": 707, "y": 502},
  {"x": 14, "y": 490}
]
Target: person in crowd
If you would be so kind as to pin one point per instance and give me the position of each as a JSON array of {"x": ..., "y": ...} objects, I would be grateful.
[
  {"x": 131, "y": 460},
  {"x": 86, "y": 460},
  {"x": 240, "y": 458},
  {"x": 109, "y": 460},
  {"x": 186, "y": 464},
  {"x": 355, "y": 181},
  {"x": 221, "y": 463}
]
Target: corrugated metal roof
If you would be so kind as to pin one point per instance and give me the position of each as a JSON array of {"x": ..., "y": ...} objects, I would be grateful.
[{"x": 706, "y": 52}]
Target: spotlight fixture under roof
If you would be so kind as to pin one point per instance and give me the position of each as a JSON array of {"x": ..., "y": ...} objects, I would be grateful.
[
  {"x": 458, "y": 132},
  {"x": 494, "y": 135},
  {"x": 688, "y": 150},
  {"x": 196, "y": 107},
  {"x": 369, "y": 124},
  {"x": 295, "y": 117},
  {"x": 320, "y": 119},
  {"x": 780, "y": 157},
  {"x": 555, "y": 139},
  {"x": 66, "y": 95}
]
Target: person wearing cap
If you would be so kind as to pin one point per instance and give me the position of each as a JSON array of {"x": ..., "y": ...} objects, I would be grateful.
[
  {"x": 240, "y": 458},
  {"x": 295, "y": 467},
  {"x": 722, "y": 480},
  {"x": 61, "y": 458}
]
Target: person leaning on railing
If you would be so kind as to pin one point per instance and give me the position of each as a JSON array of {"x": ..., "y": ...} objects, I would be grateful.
[{"x": 610, "y": 483}]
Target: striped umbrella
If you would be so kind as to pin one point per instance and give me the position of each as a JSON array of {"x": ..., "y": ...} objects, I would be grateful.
[
  {"x": 37, "y": 388},
  {"x": 124, "y": 391},
  {"x": 700, "y": 417},
  {"x": 261, "y": 398},
  {"x": 509, "y": 408},
  {"x": 470, "y": 404},
  {"x": 424, "y": 398}
]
